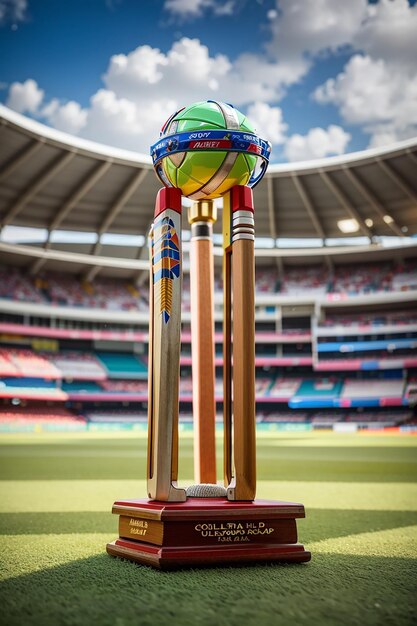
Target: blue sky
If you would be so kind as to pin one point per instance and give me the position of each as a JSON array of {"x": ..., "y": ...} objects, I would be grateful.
[{"x": 317, "y": 77}]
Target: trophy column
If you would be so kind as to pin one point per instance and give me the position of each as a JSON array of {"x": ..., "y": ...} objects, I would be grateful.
[
  {"x": 201, "y": 216},
  {"x": 164, "y": 348},
  {"x": 239, "y": 332}
]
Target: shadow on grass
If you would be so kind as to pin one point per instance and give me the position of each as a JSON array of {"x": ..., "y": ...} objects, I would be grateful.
[
  {"x": 332, "y": 589},
  {"x": 320, "y": 523}
]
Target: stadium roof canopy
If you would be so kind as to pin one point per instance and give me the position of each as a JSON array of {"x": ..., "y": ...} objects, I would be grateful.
[{"x": 50, "y": 180}]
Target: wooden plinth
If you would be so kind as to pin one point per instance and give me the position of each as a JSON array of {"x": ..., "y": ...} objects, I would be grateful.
[{"x": 207, "y": 531}]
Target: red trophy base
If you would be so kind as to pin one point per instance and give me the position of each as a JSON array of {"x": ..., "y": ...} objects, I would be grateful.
[{"x": 207, "y": 531}]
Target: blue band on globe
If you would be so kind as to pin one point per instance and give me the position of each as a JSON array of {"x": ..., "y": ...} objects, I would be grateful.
[{"x": 214, "y": 140}]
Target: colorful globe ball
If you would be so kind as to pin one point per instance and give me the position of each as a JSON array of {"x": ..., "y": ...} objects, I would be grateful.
[{"x": 200, "y": 173}]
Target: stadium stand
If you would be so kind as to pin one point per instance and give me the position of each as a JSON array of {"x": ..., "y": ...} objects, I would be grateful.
[
  {"x": 79, "y": 366},
  {"x": 372, "y": 389},
  {"x": 59, "y": 290},
  {"x": 64, "y": 291},
  {"x": 7, "y": 367},
  {"x": 316, "y": 393},
  {"x": 362, "y": 279},
  {"x": 410, "y": 393},
  {"x": 84, "y": 386},
  {"x": 33, "y": 418},
  {"x": 267, "y": 281},
  {"x": 31, "y": 388},
  {"x": 368, "y": 321},
  {"x": 125, "y": 365},
  {"x": 124, "y": 296},
  {"x": 128, "y": 386},
  {"x": 14, "y": 285},
  {"x": 336, "y": 327},
  {"x": 115, "y": 416},
  {"x": 38, "y": 412},
  {"x": 346, "y": 279},
  {"x": 186, "y": 386},
  {"x": 284, "y": 388},
  {"x": 306, "y": 280},
  {"x": 286, "y": 417},
  {"x": 27, "y": 363},
  {"x": 262, "y": 386}
]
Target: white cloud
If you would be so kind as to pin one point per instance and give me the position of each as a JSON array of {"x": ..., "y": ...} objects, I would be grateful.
[
  {"x": 376, "y": 95},
  {"x": 224, "y": 8},
  {"x": 142, "y": 66},
  {"x": 25, "y": 97},
  {"x": 188, "y": 73},
  {"x": 121, "y": 122},
  {"x": 146, "y": 74},
  {"x": 310, "y": 26},
  {"x": 188, "y": 9},
  {"x": 28, "y": 97},
  {"x": 389, "y": 33},
  {"x": 384, "y": 136},
  {"x": 367, "y": 91},
  {"x": 377, "y": 89},
  {"x": 268, "y": 122},
  {"x": 69, "y": 117},
  {"x": 254, "y": 77},
  {"x": 317, "y": 143},
  {"x": 149, "y": 85},
  {"x": 300, "y": 30},
  {"x": 12, "y": 11},
  {"x": 141, "y": 90}
]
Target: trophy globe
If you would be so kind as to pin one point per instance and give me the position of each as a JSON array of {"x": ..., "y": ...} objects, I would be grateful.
[{"x": 207, "y": 148}]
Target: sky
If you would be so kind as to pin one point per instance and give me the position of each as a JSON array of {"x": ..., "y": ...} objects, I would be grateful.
[{"x": 315, "y": 77}]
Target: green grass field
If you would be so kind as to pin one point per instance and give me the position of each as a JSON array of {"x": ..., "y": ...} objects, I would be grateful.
[{"x": 360, "y": 493}]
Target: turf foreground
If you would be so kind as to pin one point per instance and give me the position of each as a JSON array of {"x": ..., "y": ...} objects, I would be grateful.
[{"x": 360, "y": 494}]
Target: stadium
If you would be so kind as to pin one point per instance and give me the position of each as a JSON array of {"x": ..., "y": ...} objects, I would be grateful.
[
  {"x": 336, "y": 381},
  {"x": 336, "y": 324}
]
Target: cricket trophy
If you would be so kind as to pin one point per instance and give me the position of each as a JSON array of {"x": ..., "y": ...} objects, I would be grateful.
[{"x": 205, "y": 151}]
